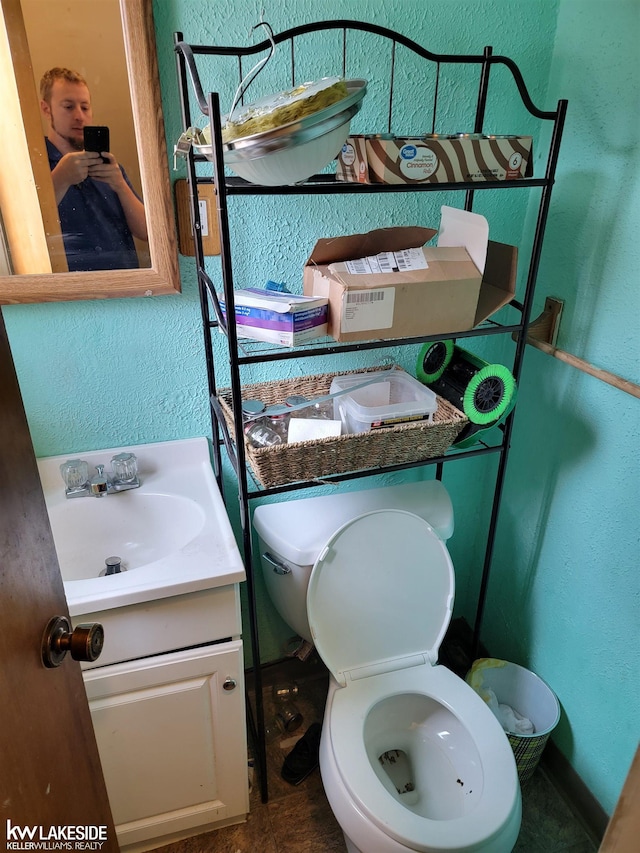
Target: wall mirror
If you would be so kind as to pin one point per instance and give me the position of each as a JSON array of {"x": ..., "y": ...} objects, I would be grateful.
[{"x": 125, "y": 93}]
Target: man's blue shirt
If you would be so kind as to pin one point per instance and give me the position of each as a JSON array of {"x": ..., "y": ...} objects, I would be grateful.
[{"x": 94, "y": 228}]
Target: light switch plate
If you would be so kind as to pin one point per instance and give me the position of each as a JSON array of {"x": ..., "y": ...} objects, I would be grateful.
[{"x": 208, "y": 219}]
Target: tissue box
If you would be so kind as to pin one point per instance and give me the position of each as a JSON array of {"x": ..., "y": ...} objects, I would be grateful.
[
  {"x": 278, "y": 318},
  {"x": 388, "y": 284},
  {"x": 387, "y": 159}
]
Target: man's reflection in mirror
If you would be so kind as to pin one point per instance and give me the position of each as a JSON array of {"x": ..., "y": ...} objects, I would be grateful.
[{"x": 99, "y": 211}]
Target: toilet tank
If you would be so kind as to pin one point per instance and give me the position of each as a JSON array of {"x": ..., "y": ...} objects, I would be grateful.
[{"x": 297, "y": 530}]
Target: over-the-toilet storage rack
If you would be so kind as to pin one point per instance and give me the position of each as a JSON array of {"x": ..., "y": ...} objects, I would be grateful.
[{"x": 477, "y": 67}]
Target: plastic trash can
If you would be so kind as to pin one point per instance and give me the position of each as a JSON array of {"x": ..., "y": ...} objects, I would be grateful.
[{"x": 527, "y": 694}]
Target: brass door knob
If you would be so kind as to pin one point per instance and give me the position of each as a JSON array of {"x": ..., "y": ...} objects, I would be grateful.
[{"x": 84, "y": 643}]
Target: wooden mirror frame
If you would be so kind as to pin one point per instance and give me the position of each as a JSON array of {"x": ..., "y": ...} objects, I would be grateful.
[{"x": 163, "y": 275}]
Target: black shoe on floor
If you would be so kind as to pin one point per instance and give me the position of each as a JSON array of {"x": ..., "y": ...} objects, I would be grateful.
[{"x": 304, "y": 757}]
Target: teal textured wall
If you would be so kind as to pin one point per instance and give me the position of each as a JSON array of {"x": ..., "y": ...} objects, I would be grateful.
[
  {"x": 565, "y": 594},
  {"x": 120, "y": 372}
]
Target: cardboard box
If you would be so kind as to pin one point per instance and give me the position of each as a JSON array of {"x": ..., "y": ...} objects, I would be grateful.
[
  {"x": 444, "y": 293},
  {"x": 353, "y": 165},
  {"x": 387, "y": 159},
  {"x": 278, "y": 318}
]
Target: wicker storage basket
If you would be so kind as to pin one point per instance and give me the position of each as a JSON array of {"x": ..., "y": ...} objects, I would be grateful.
[{"x": 311, "y": 460}]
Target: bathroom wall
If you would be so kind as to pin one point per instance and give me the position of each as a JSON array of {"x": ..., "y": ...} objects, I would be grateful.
[
  {"x": 121, "y": 372},
  {"x": 564, "y": 599}
]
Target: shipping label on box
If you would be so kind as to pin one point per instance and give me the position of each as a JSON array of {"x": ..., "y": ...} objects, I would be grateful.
[
  {"x": 363, "y": 310},
  {"x": 373, "y": 307},
  {"x": 278, "y": 318},
  {"x": 439, "y": 159}
]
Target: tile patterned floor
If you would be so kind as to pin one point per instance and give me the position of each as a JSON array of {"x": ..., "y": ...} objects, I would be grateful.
[{"x": 299, "y": 819}]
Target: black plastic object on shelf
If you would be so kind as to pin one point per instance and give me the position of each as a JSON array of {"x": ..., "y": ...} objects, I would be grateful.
[{"x": 485, "y": 392}]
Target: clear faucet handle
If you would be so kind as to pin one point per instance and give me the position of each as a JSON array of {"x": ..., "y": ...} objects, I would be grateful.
[
  {"x": 75, "y": 473},
  {"x": 124, "y": 467}
]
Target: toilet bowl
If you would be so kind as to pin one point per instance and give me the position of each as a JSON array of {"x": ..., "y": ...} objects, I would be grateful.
[
  {"x": 419, "y": 769},
  {"x": 411, "y": 758}
]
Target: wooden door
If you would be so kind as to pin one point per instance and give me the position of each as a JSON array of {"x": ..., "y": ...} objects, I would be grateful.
[{"x": 51, "y": 780}]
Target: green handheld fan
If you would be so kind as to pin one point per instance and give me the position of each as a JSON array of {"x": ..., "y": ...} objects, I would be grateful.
[{"x": 486, "y": 393}]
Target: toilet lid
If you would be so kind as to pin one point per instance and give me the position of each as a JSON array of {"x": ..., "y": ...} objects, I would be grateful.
[{"x": 380, "y": 595}]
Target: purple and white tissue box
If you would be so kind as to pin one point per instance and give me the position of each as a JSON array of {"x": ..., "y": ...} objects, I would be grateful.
[{"x": 278, "y": 318}]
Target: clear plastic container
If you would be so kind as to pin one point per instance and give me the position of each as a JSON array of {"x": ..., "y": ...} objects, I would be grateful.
[{"x": 395, "y": 398}]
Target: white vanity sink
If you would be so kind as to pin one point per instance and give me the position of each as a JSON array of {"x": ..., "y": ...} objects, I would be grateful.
[
  {"x": 172, "y": 534},
  {"x": 167, "y": 692}
]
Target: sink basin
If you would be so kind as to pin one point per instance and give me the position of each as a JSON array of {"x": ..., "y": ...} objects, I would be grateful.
[
  {"x": 138, "y": 528},
  {"x": 172, "y": 534}
]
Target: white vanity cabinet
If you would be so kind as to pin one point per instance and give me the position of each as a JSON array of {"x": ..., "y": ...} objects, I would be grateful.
[
  {"x": 167, "y": 694},
  {"x": 171, "y": 726}
]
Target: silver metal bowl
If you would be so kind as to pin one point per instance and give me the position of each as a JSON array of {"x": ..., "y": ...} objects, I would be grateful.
[{"x": 294, "y": 134}]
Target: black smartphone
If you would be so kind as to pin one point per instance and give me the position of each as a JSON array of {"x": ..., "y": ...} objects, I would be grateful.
[{"x": 96, "y": 138}]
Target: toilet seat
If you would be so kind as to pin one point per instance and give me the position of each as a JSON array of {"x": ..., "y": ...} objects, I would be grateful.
[
  {"x": 380, "y": 595},
  {"x": 379, "y": 602}
]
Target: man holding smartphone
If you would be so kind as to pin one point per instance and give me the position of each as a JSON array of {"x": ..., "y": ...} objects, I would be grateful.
[{"x": 99, "y": 211}]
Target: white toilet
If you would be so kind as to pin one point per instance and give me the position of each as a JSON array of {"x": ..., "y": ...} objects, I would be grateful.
[{"x": 411, "y": 758}]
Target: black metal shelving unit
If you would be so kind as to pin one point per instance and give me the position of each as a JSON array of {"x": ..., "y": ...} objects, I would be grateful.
[{"x": 244, "y": 353}]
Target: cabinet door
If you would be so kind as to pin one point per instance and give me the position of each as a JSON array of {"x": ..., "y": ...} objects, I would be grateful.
[{"x": 172, "y": 741}]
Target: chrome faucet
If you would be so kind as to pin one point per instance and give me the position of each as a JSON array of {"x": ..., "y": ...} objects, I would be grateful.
[
  {"x": 99, "y": 484},
  {"x": 123, "y": 476}
]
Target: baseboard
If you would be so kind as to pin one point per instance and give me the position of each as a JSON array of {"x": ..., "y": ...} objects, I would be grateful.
[{"x": 574, "y": 791}]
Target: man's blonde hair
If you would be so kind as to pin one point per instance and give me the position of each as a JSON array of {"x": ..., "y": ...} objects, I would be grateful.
[{"x": 50, "y": 77}]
